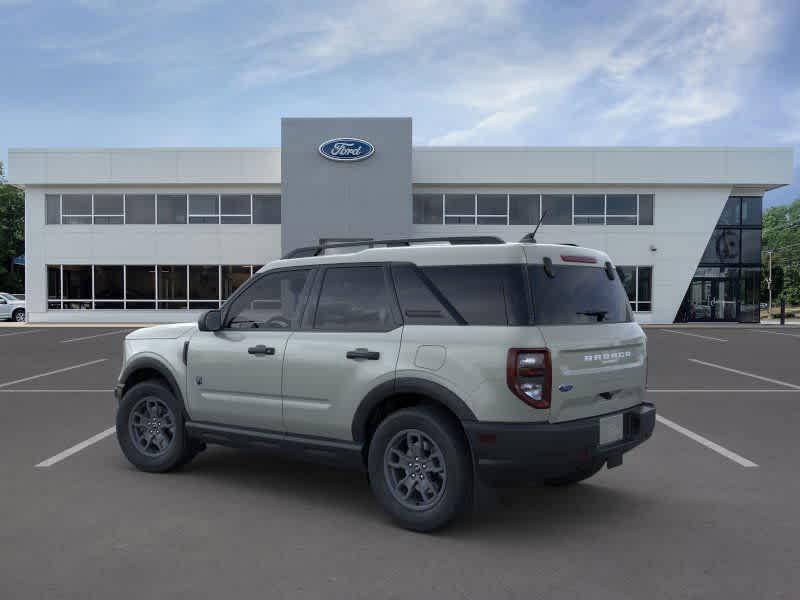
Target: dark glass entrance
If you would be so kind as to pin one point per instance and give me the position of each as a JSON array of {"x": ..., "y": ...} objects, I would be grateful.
[{"x": 725, "y": 286}]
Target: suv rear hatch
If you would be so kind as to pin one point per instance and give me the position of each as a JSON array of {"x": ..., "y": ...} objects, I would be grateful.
[{"x": 597, "y": 351}]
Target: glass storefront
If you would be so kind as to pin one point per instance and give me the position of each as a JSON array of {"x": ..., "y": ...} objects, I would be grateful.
[{"x": 726, "y": 284}]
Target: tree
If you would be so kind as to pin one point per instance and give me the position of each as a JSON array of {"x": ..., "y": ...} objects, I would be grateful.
[
  {"x": 781, "y": 235},
  {"x": 12, "y": 235}
]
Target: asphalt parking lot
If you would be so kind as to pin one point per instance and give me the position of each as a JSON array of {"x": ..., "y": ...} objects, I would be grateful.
[{"x": 708, "y": 508}]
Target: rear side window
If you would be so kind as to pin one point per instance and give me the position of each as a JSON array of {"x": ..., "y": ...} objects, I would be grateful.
[
  {"x": 576, "y": 295},
  {"x": 418, "y": 302},
  {"x": 483, "y": 294},
  {"x": 354, "y": 299}
]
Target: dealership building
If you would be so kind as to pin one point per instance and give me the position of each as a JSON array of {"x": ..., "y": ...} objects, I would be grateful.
[{"x": 160, "y": 234}]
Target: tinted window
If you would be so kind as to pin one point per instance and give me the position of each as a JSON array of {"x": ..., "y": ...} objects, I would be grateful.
[
  {"x": 53, "y": 206},
  {"x": 723, "y": 247},
  {"x": 108, "y": 282},
  {"x": 558, "y": 208},
  {"x": 76, "y": 209},
  {"x": 628, "y": 277},
  {"x": 272, "y": 302},
  {"x": 589, "y": 209},
  {"x": 53, "y": 281},
  {"x": 354, "y": 299},
  {"x": 751, "y": 245},
  {"x": 108, "y": 209},
  {"x": 751, "y": 211},
  {"x": 232, "y": 277},
  {"x": 77, "y": 282},
  {"x": 577, "y": 294},
  {"x": 645, "y": 285},
  {"x": 418, "y": 303},
  {"x": 620, "y": 204},
  {"x": 203, "y": 282},
  {"x": 460, "y": 205},
  {"x": 428, "y": 208},
  {"x": 140, "y": 282},
  {"x": 140, "y": 209},
  {"x": 171, "y": 209},
  {"x": 523, "y": 209},
  {"x": 203, "y": 208},
  {"x": 235, "y": 208},
  {"x": 266, "y": 208},
  {"x": 172, "y": 282},
  {"x": 646, "y": 209},
  {"x": 483, "y": 294},
  {"x": 730, "y": 214}
]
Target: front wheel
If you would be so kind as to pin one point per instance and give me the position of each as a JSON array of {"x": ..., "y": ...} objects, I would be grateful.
[
  {"x": 420, "y": 468},
  {"x": 150, "y": 428},
  {"x": 19, "y": 315}
]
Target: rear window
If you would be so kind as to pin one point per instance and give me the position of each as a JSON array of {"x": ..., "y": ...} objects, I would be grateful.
[
  {"x": 576, "y": 295},
  {"x": 480, "y": 294}
]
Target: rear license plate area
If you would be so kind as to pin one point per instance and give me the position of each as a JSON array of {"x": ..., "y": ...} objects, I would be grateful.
[{"x": 612, "y": 429}]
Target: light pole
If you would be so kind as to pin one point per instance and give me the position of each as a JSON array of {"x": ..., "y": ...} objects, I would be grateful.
[{"x": 769, "y": 285}]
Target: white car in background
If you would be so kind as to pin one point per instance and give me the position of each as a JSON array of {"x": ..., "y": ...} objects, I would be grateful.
[{"x": 12, "y": 308}]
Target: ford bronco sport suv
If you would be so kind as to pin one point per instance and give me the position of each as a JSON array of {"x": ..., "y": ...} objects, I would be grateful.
[{"x": 431, "y": 366}]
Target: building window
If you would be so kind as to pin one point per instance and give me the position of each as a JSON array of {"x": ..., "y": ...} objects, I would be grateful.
[
  {"x": 140, "y": 209},
  {"x": 621, "y": 209},
  {"x": 589, "y": 209},
  {"x": 76, "y": 209},
  {"x": 204, "y": 208},
  {"x": 143, "y": 287},
  {"x": 646, "y": 209},
  {"x": 459, "y": 209},
  {"x": 638, "y": 284},
  {"x": 109, "y": 209},
  {"x": 428, "y": 209},
  {"x": 53, "y": 209},
  {"x": 266, "y": 209},
  {"x": 235, "y": 209},
  {"x": 523, "y": 209},
  {"x": 557, "y": 209},
  {"x": 492, "y": 209},
  {"x": 171, "y": 209}
]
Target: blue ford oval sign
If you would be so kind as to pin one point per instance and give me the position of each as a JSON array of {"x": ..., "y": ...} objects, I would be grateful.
[{"x": 346, "y": 149}]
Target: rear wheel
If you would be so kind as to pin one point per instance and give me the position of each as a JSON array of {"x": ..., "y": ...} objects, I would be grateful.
[
  {"x": 420, "y": 468},
  {"x": 19, "y": 315},
  {"x": 575, "y": 476},
  {"x": 150, "y": 428}
]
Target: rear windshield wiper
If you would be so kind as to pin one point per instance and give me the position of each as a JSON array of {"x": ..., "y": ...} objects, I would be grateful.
[{"x": 600, "y": 314}]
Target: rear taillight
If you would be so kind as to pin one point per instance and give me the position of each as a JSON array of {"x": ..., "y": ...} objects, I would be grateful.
[{"x": 528, "y": 373}]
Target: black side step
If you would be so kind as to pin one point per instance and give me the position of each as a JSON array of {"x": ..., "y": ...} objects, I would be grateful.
[{"x": 337, "y": 453}]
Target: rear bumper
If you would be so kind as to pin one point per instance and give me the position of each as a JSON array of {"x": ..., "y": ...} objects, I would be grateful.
[{"x": 524, "y": 452}]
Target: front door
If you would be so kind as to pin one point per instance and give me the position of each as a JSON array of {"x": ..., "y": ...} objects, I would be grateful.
[
  {"x": 348, "y": 346},
  {"x": 235, "y": 374},
  {"x": 5, "y": 308}
]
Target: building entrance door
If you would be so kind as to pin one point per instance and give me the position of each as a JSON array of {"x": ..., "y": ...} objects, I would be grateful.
[{"x": 711, "y": 300}]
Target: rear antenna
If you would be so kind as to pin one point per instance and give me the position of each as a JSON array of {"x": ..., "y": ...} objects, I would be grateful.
[{"x": 531, "y": 237}]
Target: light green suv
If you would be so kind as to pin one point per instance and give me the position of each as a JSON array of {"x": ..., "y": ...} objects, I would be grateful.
[{"x": 432, "y": 365}]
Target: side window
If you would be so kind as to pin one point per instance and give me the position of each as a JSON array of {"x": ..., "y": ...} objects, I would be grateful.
[
  {"x": 483, "y": 294},
  {"x": 354, "y": 299},
  {"x": 418, "y": 303},
  {"x": 271, "y": 302}
]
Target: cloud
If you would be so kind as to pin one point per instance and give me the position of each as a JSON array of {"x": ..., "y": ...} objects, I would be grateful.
[{"x": 496, "y": 122}]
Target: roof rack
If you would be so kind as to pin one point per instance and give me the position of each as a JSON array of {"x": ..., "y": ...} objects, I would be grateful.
[{"x": 307, "y": 251}]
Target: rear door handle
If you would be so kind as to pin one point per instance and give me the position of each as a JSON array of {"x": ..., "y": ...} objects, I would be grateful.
[
  {"x": 363, "y": 353},
  {"x": 261, "y": 349}
]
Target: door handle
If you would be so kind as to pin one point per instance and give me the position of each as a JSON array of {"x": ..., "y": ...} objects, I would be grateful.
[
  {"x": 261, "y": 349},
  {"x": 363, "y": 353}
]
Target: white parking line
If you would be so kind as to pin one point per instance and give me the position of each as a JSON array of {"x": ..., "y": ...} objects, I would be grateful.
[
  {"x": 27, "y": 331},
  {"x": 774, "y": 332},
  {"x": 740, "y": 460},
  {"x": 84, "y": 391},
  {"x": 24, "y": 379},
  {"x": 91, "y": 337},
  {"x": 77, "y": 448},
  {"x": 697, "y": 335},
  {"x": 746, "y": 374},
  {"x": 720, "y": 391}
]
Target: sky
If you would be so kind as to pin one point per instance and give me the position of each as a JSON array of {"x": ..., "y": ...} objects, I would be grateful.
[{"x": 108, "y": 73}]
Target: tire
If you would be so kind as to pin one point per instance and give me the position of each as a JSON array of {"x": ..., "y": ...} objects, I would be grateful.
[
  {"x": 18, "y": 315},
  {"x": 150, "y": 428},
  {"x": 431, "y": 442},
  {"x": 575, "y": 476}
]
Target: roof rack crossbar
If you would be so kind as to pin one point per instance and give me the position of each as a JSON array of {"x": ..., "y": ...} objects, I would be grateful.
[{"x": 307, "y": 251}]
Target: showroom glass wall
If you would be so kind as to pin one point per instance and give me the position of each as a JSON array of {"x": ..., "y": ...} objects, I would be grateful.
[{"x": 726, "y": 284}]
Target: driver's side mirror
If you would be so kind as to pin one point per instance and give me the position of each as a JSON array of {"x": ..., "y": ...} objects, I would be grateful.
[{"x": 210, "y": 320}]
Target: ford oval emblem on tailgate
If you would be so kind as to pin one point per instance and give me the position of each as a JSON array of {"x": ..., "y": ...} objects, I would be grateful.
[{"x": 565, "y": 387}]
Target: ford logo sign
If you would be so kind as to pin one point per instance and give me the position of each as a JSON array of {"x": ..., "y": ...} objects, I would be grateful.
[{"x": 351, "y": 149}]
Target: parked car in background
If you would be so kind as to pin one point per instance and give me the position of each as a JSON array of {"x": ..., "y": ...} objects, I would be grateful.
[{"x": 12, "y": 308}]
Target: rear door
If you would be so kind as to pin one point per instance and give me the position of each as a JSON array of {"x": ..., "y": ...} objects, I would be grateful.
[
  {"x": 598, "y": 352},
  {"x": 349, "y": 344}
]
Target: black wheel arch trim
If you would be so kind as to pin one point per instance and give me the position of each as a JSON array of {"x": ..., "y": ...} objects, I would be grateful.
[
  {"x": 407, "y": 385},
  {"x": 147, "y": 362}
]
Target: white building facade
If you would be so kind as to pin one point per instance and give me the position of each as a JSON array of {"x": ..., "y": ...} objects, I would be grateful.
[{"x": 151, "y": 235}]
